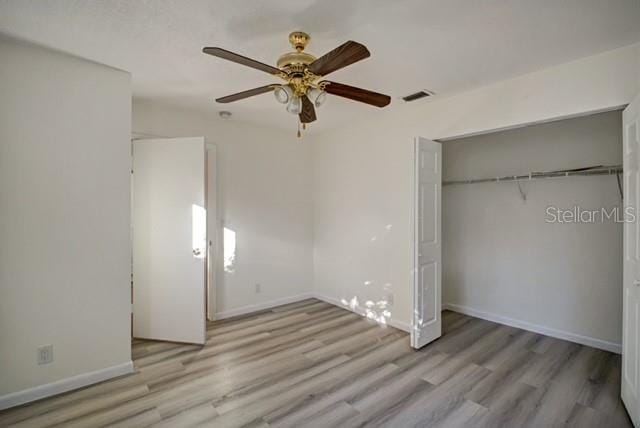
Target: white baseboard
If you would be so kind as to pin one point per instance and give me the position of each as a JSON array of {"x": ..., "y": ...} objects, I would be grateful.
[
  {"x": 547, "y": 331},
  {"x": 64, "y": 385},
  {"x": 261, "y": 306},
  {"x": 292, "y": 299},
  {"x": 393, "y": 323}
]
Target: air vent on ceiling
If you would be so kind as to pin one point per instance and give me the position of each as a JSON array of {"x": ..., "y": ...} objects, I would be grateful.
[{"x": 418, "y": 95}]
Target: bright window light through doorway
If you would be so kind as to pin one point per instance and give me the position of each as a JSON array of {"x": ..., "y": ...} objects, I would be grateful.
[
  {"x": 229, "y": 250},
  {"x": 199, "y": 231}
]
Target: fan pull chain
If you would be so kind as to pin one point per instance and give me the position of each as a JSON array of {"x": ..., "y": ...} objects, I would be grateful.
[{"x": 299, "y": 133}]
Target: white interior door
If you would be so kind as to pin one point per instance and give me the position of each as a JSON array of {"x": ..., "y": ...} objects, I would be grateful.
[
  {"x": 427, "y": 300},
  {"x": 169, "y": 239},
  {"x": 631, "y": 265}
]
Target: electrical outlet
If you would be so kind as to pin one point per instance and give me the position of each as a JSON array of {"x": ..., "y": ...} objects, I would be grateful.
[
  {"x": 257, "y": 288},
  {"x": 45, "y": 354}
]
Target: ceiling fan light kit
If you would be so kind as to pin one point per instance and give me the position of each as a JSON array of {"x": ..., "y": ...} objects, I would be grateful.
[
  {"x": 295, "y": 105},
  {"x": 303, "y": 90},
  {"x": 317, "y": 96},
  {"x": 283, "y": 93}
]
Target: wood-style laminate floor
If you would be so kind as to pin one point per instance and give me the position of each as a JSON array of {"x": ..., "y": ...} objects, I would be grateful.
[{"x": 311, "y": 364}]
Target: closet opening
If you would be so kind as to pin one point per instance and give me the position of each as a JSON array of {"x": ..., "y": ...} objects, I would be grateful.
[{"x": 532, "y": 226}]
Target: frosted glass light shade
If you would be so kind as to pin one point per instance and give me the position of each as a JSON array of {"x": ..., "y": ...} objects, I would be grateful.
[
  {"x": 294, "y": 106},
  {"x": 317, "y": 97},
  {"x": 283, "y": 93}
]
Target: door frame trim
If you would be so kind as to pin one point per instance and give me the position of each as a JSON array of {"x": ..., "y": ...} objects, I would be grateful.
[{"x": 212, "y": 191}]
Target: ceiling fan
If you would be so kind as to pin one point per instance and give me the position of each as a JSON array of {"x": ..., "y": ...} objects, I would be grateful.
[{"x": 303, "y": 89}]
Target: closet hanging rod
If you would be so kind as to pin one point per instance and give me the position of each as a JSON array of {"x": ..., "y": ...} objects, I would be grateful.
[{"x": 599, "y": 170}]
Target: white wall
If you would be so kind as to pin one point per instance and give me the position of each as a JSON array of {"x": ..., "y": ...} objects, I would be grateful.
[
  {"x": 363, "y": 174},
  {"x": 64, "y": 216},
  {"x": 264, "y": 195},
  {"x": 501, "y": 258}
]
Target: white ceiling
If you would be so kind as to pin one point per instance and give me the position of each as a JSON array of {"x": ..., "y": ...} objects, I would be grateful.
[{"x": 447, "y": 46}]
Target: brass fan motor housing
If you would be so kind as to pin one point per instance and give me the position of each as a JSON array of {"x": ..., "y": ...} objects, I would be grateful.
[{"x": 296, "y": 62}]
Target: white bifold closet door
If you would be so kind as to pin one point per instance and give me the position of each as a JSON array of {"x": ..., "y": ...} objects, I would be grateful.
[
  {"x": 427, "y": 297},
  {"x": 631, "y": 266},
  {"x": 169, "y": 239}
]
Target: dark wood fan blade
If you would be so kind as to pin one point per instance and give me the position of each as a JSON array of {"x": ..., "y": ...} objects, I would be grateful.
[
  {"x": 357, "y": 94},
  {"x": 234, "y": 57},
  {"x": 308, "y": 113},
  {"x": 246, "y": 94},
  {"x": 340, "y": 57}
]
